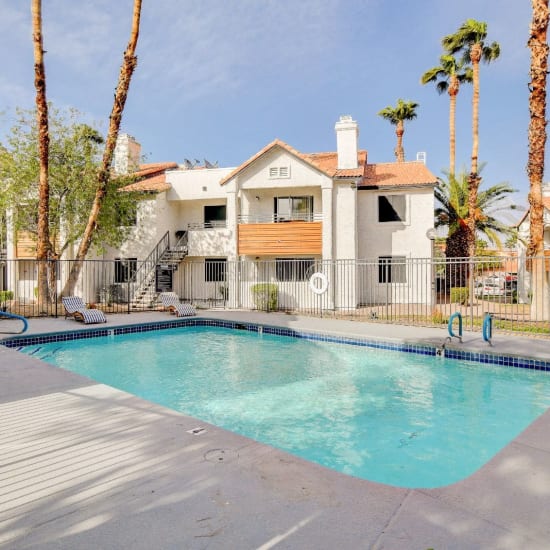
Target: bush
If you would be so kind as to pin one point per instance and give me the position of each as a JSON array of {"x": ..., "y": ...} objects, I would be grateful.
[
  {"x": 459, "y": 294},
  {"x": 265, "y": 296},
  {"x": 5, "y": 296}
]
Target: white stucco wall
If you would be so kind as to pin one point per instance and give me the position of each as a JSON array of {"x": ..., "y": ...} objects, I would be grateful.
[
  {"x": 196, "y": 184},
  {"x": 395, "y": 238},
  {"x": 407, "y": 239},
  {"x": 154, "y": 217}
]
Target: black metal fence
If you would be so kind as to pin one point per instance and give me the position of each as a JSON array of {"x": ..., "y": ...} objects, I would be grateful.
[{"x": 515, "y": 291}]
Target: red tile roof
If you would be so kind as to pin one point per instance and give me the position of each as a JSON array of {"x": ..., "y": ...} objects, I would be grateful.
[
  {"x": 153, "y": 184},
  {"x": 151, "y": 178},
  {"x": 397, "y": 174},
  {"x": 374, "y": 175}
]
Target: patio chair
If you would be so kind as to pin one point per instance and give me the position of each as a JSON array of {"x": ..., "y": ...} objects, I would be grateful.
[
  {"x": 171, "y": 302},
  {"x": 76, "y": 308}
]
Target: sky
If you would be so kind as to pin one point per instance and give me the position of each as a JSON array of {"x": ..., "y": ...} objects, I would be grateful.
[{"x": 220, "y": 79}]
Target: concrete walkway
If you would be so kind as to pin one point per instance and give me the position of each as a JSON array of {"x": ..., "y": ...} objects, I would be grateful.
[{"x": 85, "y": 466}]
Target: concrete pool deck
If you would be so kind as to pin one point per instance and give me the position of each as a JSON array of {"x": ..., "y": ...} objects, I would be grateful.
[{"x": 85, "y": 466}]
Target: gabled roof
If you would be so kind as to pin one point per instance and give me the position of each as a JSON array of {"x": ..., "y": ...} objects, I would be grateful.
[
  {"x": 373, "y": 175},
  {"x": 324, "y": 162},
  {"x": 397, "y": 174},
  {"x": 151, "y": 178}
]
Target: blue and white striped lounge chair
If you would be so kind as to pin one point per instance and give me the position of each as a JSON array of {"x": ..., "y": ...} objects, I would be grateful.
[
  {"x": 171, "y": 302},
  {"x": 76, "y": 308}
]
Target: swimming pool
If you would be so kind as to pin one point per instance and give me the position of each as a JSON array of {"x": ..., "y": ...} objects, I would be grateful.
[{"x": 398, "y": 418}]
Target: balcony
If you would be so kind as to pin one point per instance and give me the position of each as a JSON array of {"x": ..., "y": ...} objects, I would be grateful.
[{"x": 278, "y": 236}]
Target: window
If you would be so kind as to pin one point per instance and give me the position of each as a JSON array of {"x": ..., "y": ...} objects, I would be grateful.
[
  {"x": 125, "y": 270},
  {"x": 392, "y": 208},
  {"x": 293, "y": 208},
  {"x": 279, "y": 172},
  {"x": 392, "y": 269},
  {"x": 293, "y": 269},
  {"x": 215, "y": 216},
  {"x": 214, "y": 270}
]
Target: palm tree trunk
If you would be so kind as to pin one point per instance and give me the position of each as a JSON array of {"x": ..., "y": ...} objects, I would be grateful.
[
  {"x": 128, "y": 66},
  {"x": 43, "y": 245},
  {"x": 537, "y": 146},
  {"x": 399, "y": 151},
  {"x": 537, "y": 124},
  {"x": 453, "y": 92},
  {"x": 474, "y": 180}
]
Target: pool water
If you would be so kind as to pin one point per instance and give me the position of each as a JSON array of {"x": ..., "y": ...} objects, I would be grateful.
[{"x": 397, "y": 418}]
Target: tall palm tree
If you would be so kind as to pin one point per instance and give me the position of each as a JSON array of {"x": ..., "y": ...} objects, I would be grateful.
[
  {"x": 448, "y": 76},
  {"x": 470, "y": 39},
  {"x": 537, "y": 147},
  {"x": 537, "y": 124},
  {"x": 121, "y": 93},
  {"x": 404, "y": 110},
  {"x": 43, "y": 245}
]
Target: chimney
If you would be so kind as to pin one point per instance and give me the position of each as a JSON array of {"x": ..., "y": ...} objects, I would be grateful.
[
  {"x": 347, "y": 134},
  {"x": 127, "y": 154}
]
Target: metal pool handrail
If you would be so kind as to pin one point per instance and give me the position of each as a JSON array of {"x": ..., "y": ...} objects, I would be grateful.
[
  {"x": 450, "y": 325},
  {"x": 488, "y": 328},
  {"x": 15, "y": 316}
]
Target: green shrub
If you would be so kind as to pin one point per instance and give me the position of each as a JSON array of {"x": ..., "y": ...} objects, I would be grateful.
[
  {"x": 459, "y": 294},
  {"x": 265, "y": 296},
  {"x": 5, "y": 296}
]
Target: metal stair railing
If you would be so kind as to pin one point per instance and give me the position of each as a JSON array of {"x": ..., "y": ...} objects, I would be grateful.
[{"x": 146, "y": 271}]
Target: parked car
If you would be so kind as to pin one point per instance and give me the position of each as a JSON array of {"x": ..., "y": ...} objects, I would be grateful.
[{"x": 496, "y": 286}]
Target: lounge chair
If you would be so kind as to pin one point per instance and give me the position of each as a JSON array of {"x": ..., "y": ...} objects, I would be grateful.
[
  {"x": 171, "y": 302},
  {"x": 76, "y": 308}
]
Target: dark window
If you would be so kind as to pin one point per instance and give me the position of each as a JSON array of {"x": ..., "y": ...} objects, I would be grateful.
[
  {"x": 392, "y": 208},
  {"x": 214, "y": 270},
  {"x": 215, "y": 216},
  {"x": 391, "y": 269},
  {"x": 293, "y": 269},
  {"x": 125, "y": 270},
  {"x": 293, "y": 208}
]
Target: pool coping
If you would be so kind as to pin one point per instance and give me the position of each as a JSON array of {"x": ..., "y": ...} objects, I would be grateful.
[
  {"x": 444, "y": 349},
  {"x": 265, "y": 497}
]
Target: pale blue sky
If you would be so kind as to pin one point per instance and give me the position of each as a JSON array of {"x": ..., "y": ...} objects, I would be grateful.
[{"x": 221, "y": 79}]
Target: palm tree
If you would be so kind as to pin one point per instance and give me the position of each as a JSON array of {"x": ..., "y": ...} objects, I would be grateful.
[
  {"x": 43, "y": 245},
  {"x": 404, "y": 110},
  {"x": 453, "y": 212},
  {"x": 537, "y": 146},
  {"x": 537, "y": 124},
  {"x": 470, "y": 39},
  {"x": 127, "y": 69},
  {"x": 448, "y": 76}
]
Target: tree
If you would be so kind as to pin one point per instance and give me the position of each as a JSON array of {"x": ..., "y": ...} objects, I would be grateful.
[
  {"x": 102, "y": 188},
  {"x": 448, "y": 76},
  {"x": 43, "y": 242},
  {"x": 74, "y": 159},
  {"x": 452, "y": 212},
  {"x": 537, "y": 124},
  {"x": 537, "y": 147},
  {"x": 404, "y": 110},
  {"x": 470, "y": 39}
]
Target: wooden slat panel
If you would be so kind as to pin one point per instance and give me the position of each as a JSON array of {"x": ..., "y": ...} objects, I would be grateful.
[
  {"x": 282, "y": 239},
  {"x": 25, "y": 246}
]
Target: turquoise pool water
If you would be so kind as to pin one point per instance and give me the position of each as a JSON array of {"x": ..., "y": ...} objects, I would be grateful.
[{"x": 397, "y": 418}]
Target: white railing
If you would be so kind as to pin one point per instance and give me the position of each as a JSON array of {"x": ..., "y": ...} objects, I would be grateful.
[{"x": 279, "y": 218}]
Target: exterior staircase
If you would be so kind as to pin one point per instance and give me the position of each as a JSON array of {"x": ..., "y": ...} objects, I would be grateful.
[{"x": 162, "y": 258}]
